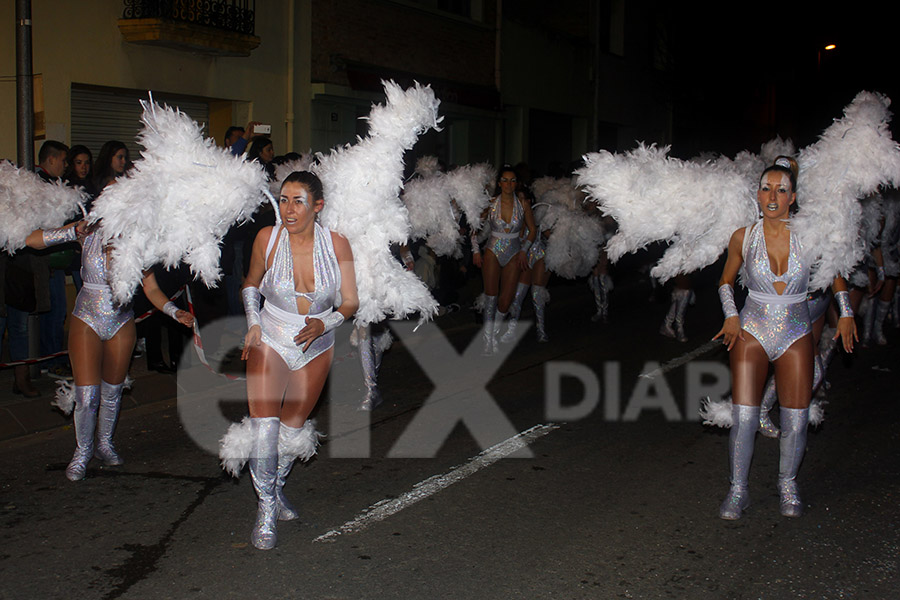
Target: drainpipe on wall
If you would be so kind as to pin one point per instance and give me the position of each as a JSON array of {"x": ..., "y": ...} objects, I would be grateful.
[{"x": 24, "y": 87}]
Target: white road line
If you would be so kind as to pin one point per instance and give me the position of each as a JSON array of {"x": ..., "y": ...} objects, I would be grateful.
[
  {"x": 685, "y": 358},
  {"x": 387, "y": 507}
]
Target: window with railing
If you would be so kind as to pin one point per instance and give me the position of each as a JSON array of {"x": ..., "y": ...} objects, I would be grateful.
[{"x": 237, "y": 16}]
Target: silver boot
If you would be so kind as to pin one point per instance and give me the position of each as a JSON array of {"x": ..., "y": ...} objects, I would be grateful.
[
  {"x": 490, "y": 340},
  {"x": 794, "y": 422},
  {"x": 683, "y": 299},
  {"x": 107, "y": 417},
  {"x": 740, "y": 453},
  {"x": 766, "y": 426},
  {"x": 600, "y": 285},
  {"x": 84, "y": 417},
  {"x": 515, "y": 309},
  {"x": 264, "y": 470},
  {"x": 539, "y": 297},
  {"x": 881, "y": 311},
  {"x": 293, "y": 443},
  {"x": 370, "y": 360},
  {"x": 666, "y": 328}
]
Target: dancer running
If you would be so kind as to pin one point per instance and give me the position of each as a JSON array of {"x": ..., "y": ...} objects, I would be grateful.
[
  {"x": 504, "y": 255},
  {"x": 305, "y": 272}
]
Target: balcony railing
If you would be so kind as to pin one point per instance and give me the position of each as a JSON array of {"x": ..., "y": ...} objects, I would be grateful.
[
  {"x": 220, "y": 27},
  {"x": 228, "y": 15}
]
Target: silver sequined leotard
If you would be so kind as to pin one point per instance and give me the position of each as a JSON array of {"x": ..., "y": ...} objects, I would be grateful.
[
  {"x": 94, "y": 303},
  {"x": 504, "y": 241},
  {"x": 280, "y": 320},
  {"x": 776, "y": 320}
]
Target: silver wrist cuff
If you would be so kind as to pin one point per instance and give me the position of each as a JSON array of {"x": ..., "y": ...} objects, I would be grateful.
[
  {"x": 251, "y": 297},
  {"x": 726, "y": 297},
  {"x": 879, "y": 271},
  {"x": 60, "y": 235},
  {"x": 843, "y": 302},
  {"x": 332, "y": 320},
  {"x": 526, "y": 246},
  {"x": 171, "y": 310}
]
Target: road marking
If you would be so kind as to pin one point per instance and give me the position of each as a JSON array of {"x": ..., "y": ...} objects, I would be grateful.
[
  {"x": 428, "y": 487},
  {"x": 685, "y": 358}
]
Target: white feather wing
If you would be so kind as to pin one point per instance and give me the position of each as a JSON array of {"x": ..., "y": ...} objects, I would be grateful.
[
  {"x": 27, "y": 203},
  {"x": 853, "y": 156},
  {"x": 653, "y": 197},
  {"x": 362, "y": 202},
  {"x": 176, "y": 204}
]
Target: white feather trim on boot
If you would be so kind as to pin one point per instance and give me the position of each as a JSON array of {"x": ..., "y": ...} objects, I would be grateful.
[
  {"x": 65, "y": 397},
  {"x": 235, "y": 446},
  {"x": 817, "y": 412},
  {"x": 716, "y": 412},
  {"x": 301, "y": 445}
]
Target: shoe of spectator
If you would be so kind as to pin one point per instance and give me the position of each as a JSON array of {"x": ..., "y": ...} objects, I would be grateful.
[{"x": 63, "y": 372}]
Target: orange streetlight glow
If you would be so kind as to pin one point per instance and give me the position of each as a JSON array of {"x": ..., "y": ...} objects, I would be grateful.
[{"x": 830, "y": 47}]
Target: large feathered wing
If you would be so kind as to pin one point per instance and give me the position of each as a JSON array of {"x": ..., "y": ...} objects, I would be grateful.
[
  {"x": 176, "y": 204},
  {"x": 362, "y": 202},
  {"x": 434, "y": 198},
  {"x": 653, "y": 197},
  {"x": 27, "y": 202},
  {"x": 852, "y": 158},
  {"x": 573, "y": 245}
]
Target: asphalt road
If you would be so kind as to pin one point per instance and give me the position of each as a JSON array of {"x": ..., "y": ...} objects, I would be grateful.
[{"x": 610, "y": 504}]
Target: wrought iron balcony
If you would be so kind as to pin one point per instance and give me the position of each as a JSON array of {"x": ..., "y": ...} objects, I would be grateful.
[{"x": 219, "y": 27}]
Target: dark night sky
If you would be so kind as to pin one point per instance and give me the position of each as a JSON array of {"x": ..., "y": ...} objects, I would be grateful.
[{"x": 762, "y": 70}]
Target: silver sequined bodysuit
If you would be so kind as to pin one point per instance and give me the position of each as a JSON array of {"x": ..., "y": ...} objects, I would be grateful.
[
  {"x": 94, "y": 304},
  {"x": 280, "y": 320},
  {"x": 776, "y": 320},
  {"x": 504, "y": 241}
]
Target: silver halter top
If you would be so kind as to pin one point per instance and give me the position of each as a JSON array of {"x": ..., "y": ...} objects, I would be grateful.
[
  {"x": 278, "y": 286},
  {"x": 516, "y": 221},
  {"x": 93, "y": 261},
  {"x": 758, "y": 275}
]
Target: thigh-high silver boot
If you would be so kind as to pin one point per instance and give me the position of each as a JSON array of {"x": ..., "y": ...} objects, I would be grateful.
[
  {"x": 370, "y": 360},
  {"x": 539, "y": 297},
  {"x": 683, "y": 298},
  {"x": 766, "y": 426},
  {"x": 745, "y": 422},
  {"x": 794, "y": 422},
  {"x": 515, "y": 309},
  {"x": 264, "y": 469},
  {"x": 818, "y": 372},
  {"x": 84, "y": 417},
  {"x": 107, "y": 417},
  {"x": 490, "y": 339},
  {"x": 881, "y": 311},
  {"x": 293, "y": 443},
  {"x": 600, "y": 286},
  {"x": 666, "y": 328}
]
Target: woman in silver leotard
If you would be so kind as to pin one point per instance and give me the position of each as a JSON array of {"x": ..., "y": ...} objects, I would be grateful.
[
  {"x": 101, "y": 339},
  {"x": 775, "y": 327},
  {"x": 305, "y": 273},
  {"x": 505, "y": 256}
]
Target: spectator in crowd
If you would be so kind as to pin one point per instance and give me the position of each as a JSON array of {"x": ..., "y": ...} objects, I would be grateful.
[
  {"x": 52, "y": 164},
  {"x": 112, "y": 162}
]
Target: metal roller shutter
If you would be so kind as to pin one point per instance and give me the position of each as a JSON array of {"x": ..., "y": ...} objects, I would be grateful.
[{"x": 99, "y": 115}]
